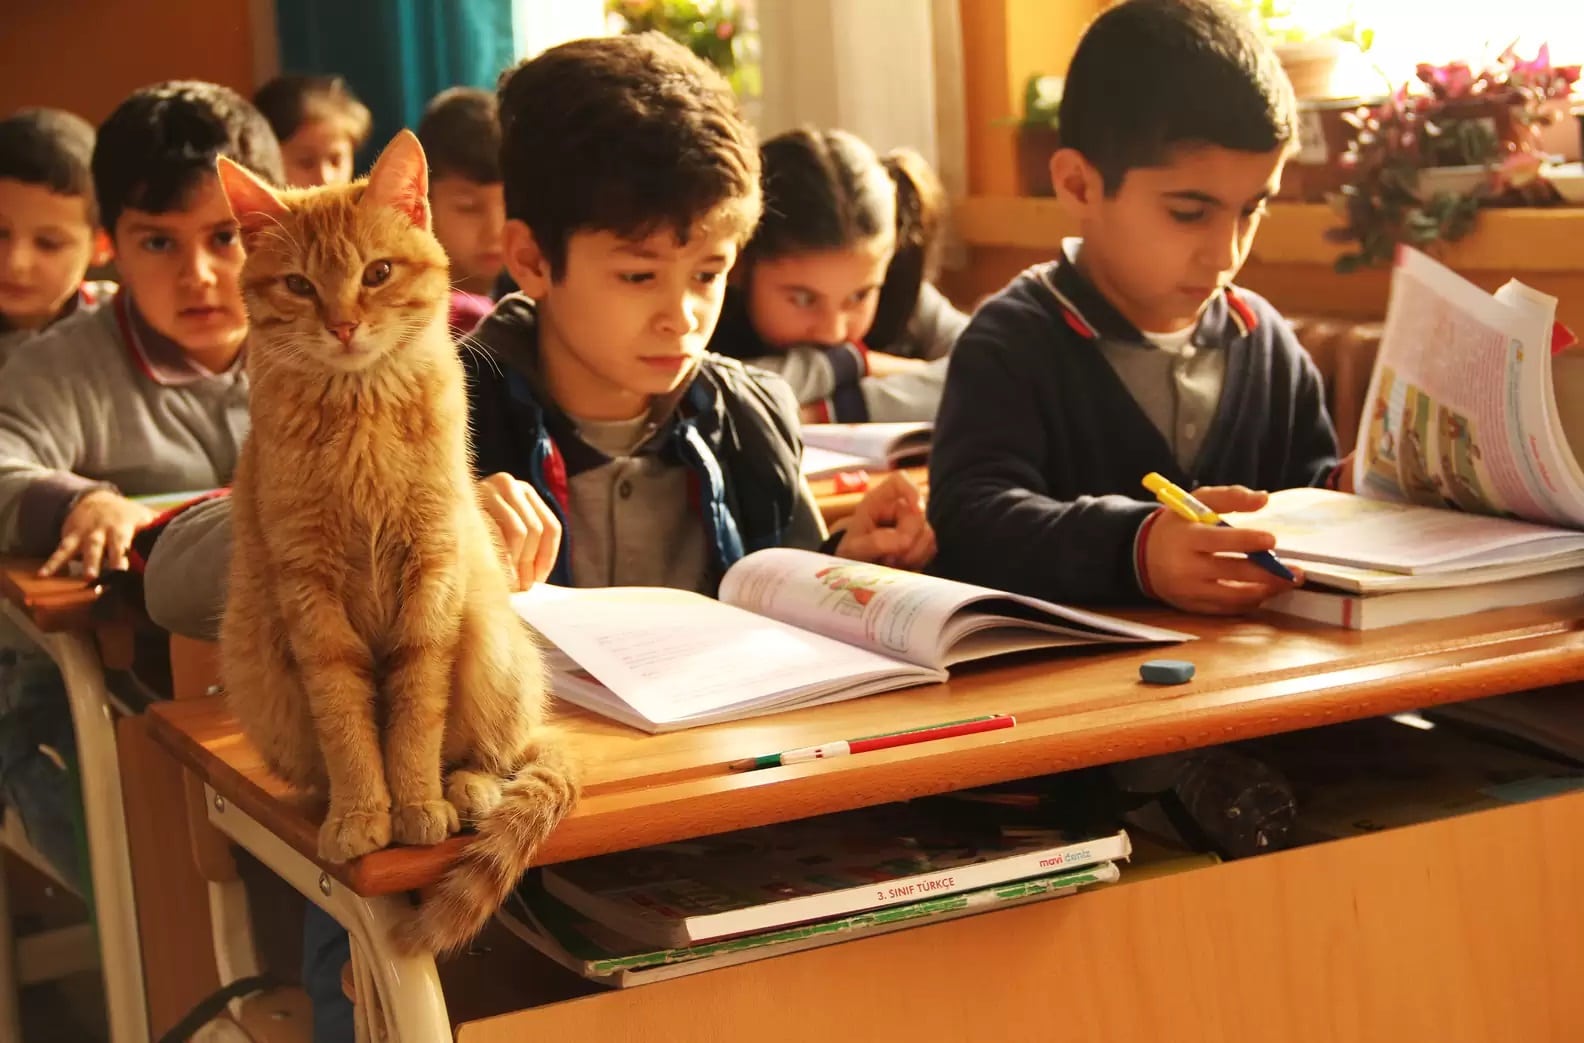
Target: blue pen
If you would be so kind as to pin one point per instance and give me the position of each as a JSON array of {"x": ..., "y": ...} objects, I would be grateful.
[{"x": 1184, "y": 503}]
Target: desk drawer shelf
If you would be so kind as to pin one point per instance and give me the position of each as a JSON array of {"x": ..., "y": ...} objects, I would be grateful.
[{"x": 1468, "y": 929}]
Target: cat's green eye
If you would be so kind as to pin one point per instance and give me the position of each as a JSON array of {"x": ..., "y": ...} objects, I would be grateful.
[
  {"x": 299, "y": 285},
  {"x": 376, "y": 273}
]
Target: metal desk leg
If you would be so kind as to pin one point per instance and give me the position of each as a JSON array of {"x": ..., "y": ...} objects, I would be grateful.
[
  {"x": 109, "y": 860},
  {"x": 399, "y": 997}
]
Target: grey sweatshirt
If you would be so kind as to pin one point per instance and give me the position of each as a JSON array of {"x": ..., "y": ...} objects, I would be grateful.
[{"x": 101, "y": 401}]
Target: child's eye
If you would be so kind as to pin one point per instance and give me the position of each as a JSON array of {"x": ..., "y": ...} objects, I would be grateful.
[
  {"x": 861, "y": 297},
  {"x": 801, "y": 299},
  {"x": 708, "y": 278},
  {"x": 635, "y": 278},
  {"x": 225, "y": 237},
  {"x": 299, "y": 285},
  {"x": 1187, "y": 217},
  {"x": 158, "y": 244},
  {"x": 49, "y": 246},
  {"x": 1253, "y": 212}
]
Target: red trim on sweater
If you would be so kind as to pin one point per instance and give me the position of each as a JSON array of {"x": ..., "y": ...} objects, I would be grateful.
[
  {"x": 129, "y": 337},
  {"x": 1140, "y": 542}
]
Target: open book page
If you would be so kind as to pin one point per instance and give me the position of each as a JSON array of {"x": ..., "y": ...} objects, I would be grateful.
[
  {"x": 1328, "y": 526},
  {"x": 1461, "y": 410},
  {"x": 823, "y": 463},
  {"x": 882, "y": 445},
  {"x": 675, "y": 657},
  {"x": 1567, "y": 375},
  {"x": 922, "y": 619}
]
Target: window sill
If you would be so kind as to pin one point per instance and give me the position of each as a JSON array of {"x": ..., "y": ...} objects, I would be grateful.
[{"x": 1542, "y": 239}]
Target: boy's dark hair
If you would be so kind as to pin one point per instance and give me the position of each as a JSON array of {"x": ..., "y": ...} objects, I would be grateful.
[
  {"x": 163, "y": 140},
  {"x": 626, "y": 134},
  {"x": 460, "y": 133},
  {"x": 826, "y": 190},
  {"x": 1149, "y": 75},
  {"x": 50, "y": 148},
  {"x": 292, "y": 99}
]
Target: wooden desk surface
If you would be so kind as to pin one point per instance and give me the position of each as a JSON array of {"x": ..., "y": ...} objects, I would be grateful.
[
  {"x": 834, "y": 506},
  {"x": 54, "y": 603},
  {"x": 1074, "y": 709}
]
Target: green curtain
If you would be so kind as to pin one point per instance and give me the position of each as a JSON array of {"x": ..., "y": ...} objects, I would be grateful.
[{"x": 397, "y": 54}]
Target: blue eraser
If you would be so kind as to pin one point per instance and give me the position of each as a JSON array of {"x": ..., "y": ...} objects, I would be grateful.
[{"x": 1167, "y": 671}]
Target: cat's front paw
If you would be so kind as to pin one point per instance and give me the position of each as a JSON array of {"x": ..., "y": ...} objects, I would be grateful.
[
  {"x": 427, "y": 823},
  {"x": 473, "y": 793},
  {"x": 346, "y": 836}
]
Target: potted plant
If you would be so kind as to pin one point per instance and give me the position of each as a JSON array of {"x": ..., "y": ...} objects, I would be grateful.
[
  {"x": 711, "y": 29},
  {"x": 1310, "y": 50},
  {"x": 1036, "y": 134},
  {"x": 1422, "y": 163}
]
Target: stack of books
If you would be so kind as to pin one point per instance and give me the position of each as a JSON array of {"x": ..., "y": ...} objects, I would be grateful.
[
  {"x": 1467, "y": 465},
  {"x": 662, "y": 912}
]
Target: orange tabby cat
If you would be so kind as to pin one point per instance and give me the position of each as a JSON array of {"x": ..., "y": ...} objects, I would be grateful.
[{"x": 368, "y": 637}]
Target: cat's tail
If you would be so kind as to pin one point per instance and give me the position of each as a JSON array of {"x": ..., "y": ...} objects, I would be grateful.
[{"x": 532, "y": 803}]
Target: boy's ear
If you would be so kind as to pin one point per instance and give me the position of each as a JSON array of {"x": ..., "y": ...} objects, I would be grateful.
[
  {"x": 1078, "y": 185},
  {"x": 400, "y": 179},
  {"x": 253, "y": 202},
  {"x": 525, "y": 261},
  {"x": 103, "y": 249}
]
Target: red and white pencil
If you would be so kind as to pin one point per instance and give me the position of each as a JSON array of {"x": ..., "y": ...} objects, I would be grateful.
[{"x": 883, "y": 741}]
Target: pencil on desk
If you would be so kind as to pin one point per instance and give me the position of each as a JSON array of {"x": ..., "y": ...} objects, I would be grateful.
[{"x": 883, "y": 741}]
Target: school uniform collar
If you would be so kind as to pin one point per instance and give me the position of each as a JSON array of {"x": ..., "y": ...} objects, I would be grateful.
[
  {"x": 155, "y": 355},
  {"x": 1226, "y": 316},
  {"x": 511, "y": 331}
]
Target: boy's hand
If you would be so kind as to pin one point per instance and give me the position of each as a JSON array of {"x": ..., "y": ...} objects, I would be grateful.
[
  {"x": 889, "y": 528},
  {"x": 883, "y": 365},
  {"x": 1183, "y": 560},
  {"x": 99, "y": 531},
  {"x": 529, "y": 531}
]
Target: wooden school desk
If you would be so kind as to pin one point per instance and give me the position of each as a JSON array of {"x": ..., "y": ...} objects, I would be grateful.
[
  {"x": 834, "y": 506},
  {"x": 58, "y": 614},
  {"x": 1468, "y": 929}
]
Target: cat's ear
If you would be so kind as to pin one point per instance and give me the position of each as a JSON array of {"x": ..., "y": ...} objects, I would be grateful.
[
  {"x": 253, "y": 202},
  {"x": 400, "y": 179}
]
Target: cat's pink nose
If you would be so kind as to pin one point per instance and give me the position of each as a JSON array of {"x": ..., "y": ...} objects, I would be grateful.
[{"x": 343, "y": 331}]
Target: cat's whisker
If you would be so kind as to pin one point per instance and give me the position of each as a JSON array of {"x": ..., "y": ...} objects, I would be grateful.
[
  {"x": 280, "y": 230},
  {"x": 475, "y": 347}
]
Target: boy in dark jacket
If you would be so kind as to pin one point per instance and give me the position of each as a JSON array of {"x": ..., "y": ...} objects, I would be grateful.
[{"x": 1132, "y": 351}]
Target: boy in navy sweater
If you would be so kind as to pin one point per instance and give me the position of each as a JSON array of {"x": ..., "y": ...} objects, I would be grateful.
[{"x": 1132, "y": 351}]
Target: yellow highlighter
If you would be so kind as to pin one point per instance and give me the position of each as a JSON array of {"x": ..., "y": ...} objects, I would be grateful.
[{"x": 1183, "y": 503}]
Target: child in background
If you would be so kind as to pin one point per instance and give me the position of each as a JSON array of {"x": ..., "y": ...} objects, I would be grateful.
[
  {"x": 460, "y": 133},
  {"x": 146, "y": 395},
  {"x": 49, "y": 226},
  {"x": 154, "y": 397},
  {"x": 833, "y": 290},
  {"x": 1133, "y": 352},
  {"x": 320, "y": 124}
]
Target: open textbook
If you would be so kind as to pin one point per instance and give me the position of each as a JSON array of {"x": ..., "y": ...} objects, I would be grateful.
[
  {"x": 1469, "y": 410},
  {"x": 878, "y": 446},
  {"x": 792, "y": 628}
]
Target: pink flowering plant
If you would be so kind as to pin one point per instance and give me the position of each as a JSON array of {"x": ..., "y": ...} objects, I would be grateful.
[{"x": 1450, "y": 116}]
